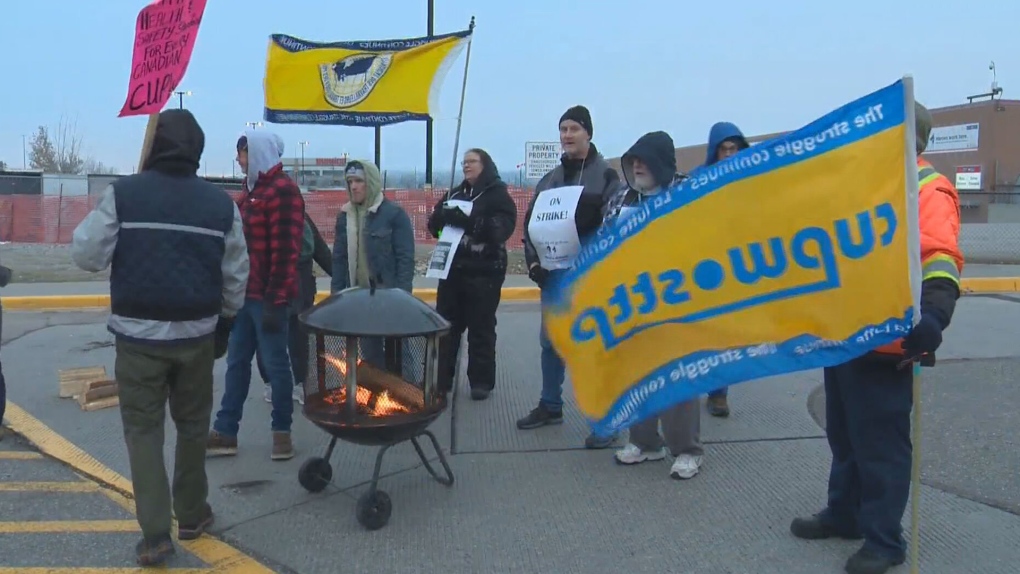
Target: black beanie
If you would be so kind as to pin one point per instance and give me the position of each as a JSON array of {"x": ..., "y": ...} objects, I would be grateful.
[{"x": 581, "y": 115}]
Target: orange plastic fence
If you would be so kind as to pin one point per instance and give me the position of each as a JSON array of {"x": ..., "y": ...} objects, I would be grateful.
[{"x": 52, "y": 219}]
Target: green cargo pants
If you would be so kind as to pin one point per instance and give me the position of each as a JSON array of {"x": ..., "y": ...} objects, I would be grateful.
[{"x": 148, "y": 376}]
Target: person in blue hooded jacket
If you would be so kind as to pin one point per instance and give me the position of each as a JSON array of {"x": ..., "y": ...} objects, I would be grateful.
[{"x": 724, "y": 139}]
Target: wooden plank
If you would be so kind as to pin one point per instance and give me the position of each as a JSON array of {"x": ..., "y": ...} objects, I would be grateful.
[
  {"x": 72, "y": 381},
  {"x": 101, "y": 404},
  {"x": 95, "y": 390}
]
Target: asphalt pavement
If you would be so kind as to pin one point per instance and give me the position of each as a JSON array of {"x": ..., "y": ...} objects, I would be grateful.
[{"x": 537, "y": 501}]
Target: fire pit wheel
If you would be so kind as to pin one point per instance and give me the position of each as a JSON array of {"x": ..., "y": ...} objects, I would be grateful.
[
  {"x": 315, "y": 474},
  {"x": 374, "y": 509}
]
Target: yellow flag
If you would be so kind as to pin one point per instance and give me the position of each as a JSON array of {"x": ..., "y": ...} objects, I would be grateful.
[
  {"x": 799, "y": 253},
  {"x": 359, "y": 83}
]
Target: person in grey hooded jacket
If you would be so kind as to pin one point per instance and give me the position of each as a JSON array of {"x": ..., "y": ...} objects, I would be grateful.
[
  {"x": 649, "y": 168},
  {"x": 581, "y": 165}
]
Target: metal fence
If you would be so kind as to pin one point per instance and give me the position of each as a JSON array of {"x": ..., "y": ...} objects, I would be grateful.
[
  {"x": 42, "y": 211},
  {"x": 46, "y": 209}
]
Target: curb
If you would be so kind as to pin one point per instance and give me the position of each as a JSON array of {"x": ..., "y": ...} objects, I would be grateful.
[
  {"x": 512, "y": 294},
  {"x": 71, "y": 302}
]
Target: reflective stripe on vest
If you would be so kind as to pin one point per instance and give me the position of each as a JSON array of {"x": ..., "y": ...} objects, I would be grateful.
[
  {"x": 942, "y": 266},
  {"x": 926, "y": 175}
]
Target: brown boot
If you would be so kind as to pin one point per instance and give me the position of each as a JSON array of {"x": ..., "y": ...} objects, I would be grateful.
[
  {"x": 193, "y": 531},
  {"x": 220, "y": 445},
  {"x": 283, "y": 448}
]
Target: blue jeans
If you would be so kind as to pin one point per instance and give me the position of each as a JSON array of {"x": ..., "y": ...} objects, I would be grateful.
[
  {"x": 554, "y": 371},
  {"x": 246, "y": 337},
  {"x": 719, "y": 393}
]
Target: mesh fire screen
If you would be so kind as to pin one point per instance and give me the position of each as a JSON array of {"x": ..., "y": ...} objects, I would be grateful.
[{"x": 391, "y": 374}]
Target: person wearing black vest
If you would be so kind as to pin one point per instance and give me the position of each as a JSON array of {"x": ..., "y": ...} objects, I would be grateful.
[
  {"x": 179, "y": 269},
  {"x": 469, "y": 296},
  {"x": 580, "y": 165}
]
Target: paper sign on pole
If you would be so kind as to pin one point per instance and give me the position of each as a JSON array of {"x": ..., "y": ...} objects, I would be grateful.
[
  {"x": 540, "y": 158},
  {"x": 165, "y": 33}
]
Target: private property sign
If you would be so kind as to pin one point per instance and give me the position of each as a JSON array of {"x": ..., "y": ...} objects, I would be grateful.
[
  {"x": 540, "y": 158},
  {"x": 968, "y": 177}
]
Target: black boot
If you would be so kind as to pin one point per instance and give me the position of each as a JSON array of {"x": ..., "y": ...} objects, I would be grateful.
[
  {"x": 814, "y": 529},
  {"x": 866, "y": 561}
]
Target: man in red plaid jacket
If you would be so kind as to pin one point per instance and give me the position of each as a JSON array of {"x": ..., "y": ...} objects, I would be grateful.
[{"x": 272, "y": 211}]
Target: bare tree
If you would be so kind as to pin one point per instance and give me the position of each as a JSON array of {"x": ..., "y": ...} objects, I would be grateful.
[
  {"x": 96, "y": 167},
  {"x": 67, "y": 142},
  {"x": 3, "y": 166},
  {"x": 61, "y": 150}
]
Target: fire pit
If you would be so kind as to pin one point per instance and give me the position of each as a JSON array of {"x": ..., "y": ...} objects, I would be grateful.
[{"x": 372, "y": 381}]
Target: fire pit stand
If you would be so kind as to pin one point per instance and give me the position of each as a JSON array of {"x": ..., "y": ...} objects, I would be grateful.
[{"x": 373, "y": 365}]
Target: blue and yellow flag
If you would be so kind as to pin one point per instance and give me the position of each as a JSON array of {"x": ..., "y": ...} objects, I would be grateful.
[
  {"x": 362, "y": 83},
  {"x": 797, "y": 253}
]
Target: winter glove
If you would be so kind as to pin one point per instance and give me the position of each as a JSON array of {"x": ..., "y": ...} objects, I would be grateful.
[
  {"x": 5, "y": 275},
  {"x": 924, "y": 338},
  {"x": 222, "y": 336},
  {"x": 273, "y": 317},
  {"x": 455, "y": 217},
  {"x": 538, "y": 274}
]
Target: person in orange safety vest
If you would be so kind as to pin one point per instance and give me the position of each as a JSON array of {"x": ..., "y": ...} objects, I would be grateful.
[{"x": 868, "y": 400}]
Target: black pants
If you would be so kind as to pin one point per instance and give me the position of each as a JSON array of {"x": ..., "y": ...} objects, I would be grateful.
[
  {"x": 297, "y": 337},
  {"x": 867, "y": 410},
  {"x": 3, "y": 383},
  {"x": 469, "y": 301}
]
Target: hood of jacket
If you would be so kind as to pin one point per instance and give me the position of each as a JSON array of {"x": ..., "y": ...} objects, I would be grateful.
[
  {"x": 489, "y": 175},
  {"x": 265, "y": 151},
  {"x": 177, "y": 144},
  {"x": 373, "y": 182},
  {"x": 655, "y": 150},
  {"x": 719, "y": 133}
]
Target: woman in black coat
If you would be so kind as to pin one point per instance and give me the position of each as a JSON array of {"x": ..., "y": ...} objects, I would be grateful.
[{"x": 468, "y": 298}]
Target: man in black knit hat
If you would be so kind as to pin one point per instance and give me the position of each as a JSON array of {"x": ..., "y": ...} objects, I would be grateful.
[{"x": 581, "y": 165}]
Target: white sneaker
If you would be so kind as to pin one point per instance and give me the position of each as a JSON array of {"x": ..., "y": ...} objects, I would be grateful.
[
  {"x": 299, "y": 393},
  {"x": 686, "y": 466},
  {"x": 632, "y": 454},
  {"x": 267, "y": 393}
]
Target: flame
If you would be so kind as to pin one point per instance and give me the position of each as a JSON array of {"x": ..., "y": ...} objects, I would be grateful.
[{"x": 376, "y": 404}]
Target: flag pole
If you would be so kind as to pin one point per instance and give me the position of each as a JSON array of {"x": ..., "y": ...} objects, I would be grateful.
[
  {"x": 914, "y": 245},
  {"x": 915, "y": 475},
  {"x": 460, "y": 114}
]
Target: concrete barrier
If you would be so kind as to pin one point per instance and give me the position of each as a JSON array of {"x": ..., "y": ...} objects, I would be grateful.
[{"x": 509, "y": 294}]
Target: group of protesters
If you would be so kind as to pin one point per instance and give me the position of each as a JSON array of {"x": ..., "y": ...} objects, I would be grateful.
[{"x": 189, "y": 286}]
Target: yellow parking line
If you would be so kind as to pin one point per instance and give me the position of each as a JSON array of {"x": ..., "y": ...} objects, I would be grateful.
[
  {"x": 67, "y": 526},
  {"x": 62, "y": 486},
  {"x": 19, "y": 455},
  {"x": 77, "y": 570},
  {"x": 220, "y": 556}
]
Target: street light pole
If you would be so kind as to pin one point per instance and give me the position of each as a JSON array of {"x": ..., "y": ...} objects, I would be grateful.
[
  {"x": 180, "y": 98},
  {"x": 253, "y": 125},
  {"x": 24, "y": 153},
  {"x": 302, "y": 144}
]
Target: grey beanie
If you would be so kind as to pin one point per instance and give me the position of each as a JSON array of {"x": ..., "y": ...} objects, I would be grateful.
[{"x": 922, "y": 127}]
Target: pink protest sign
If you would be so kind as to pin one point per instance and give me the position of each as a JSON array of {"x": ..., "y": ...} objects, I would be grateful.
[{"x": 165, "y": 33}]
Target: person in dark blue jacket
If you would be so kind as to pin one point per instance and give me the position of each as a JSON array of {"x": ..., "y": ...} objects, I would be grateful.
[{"x": 724, "y": 139}]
